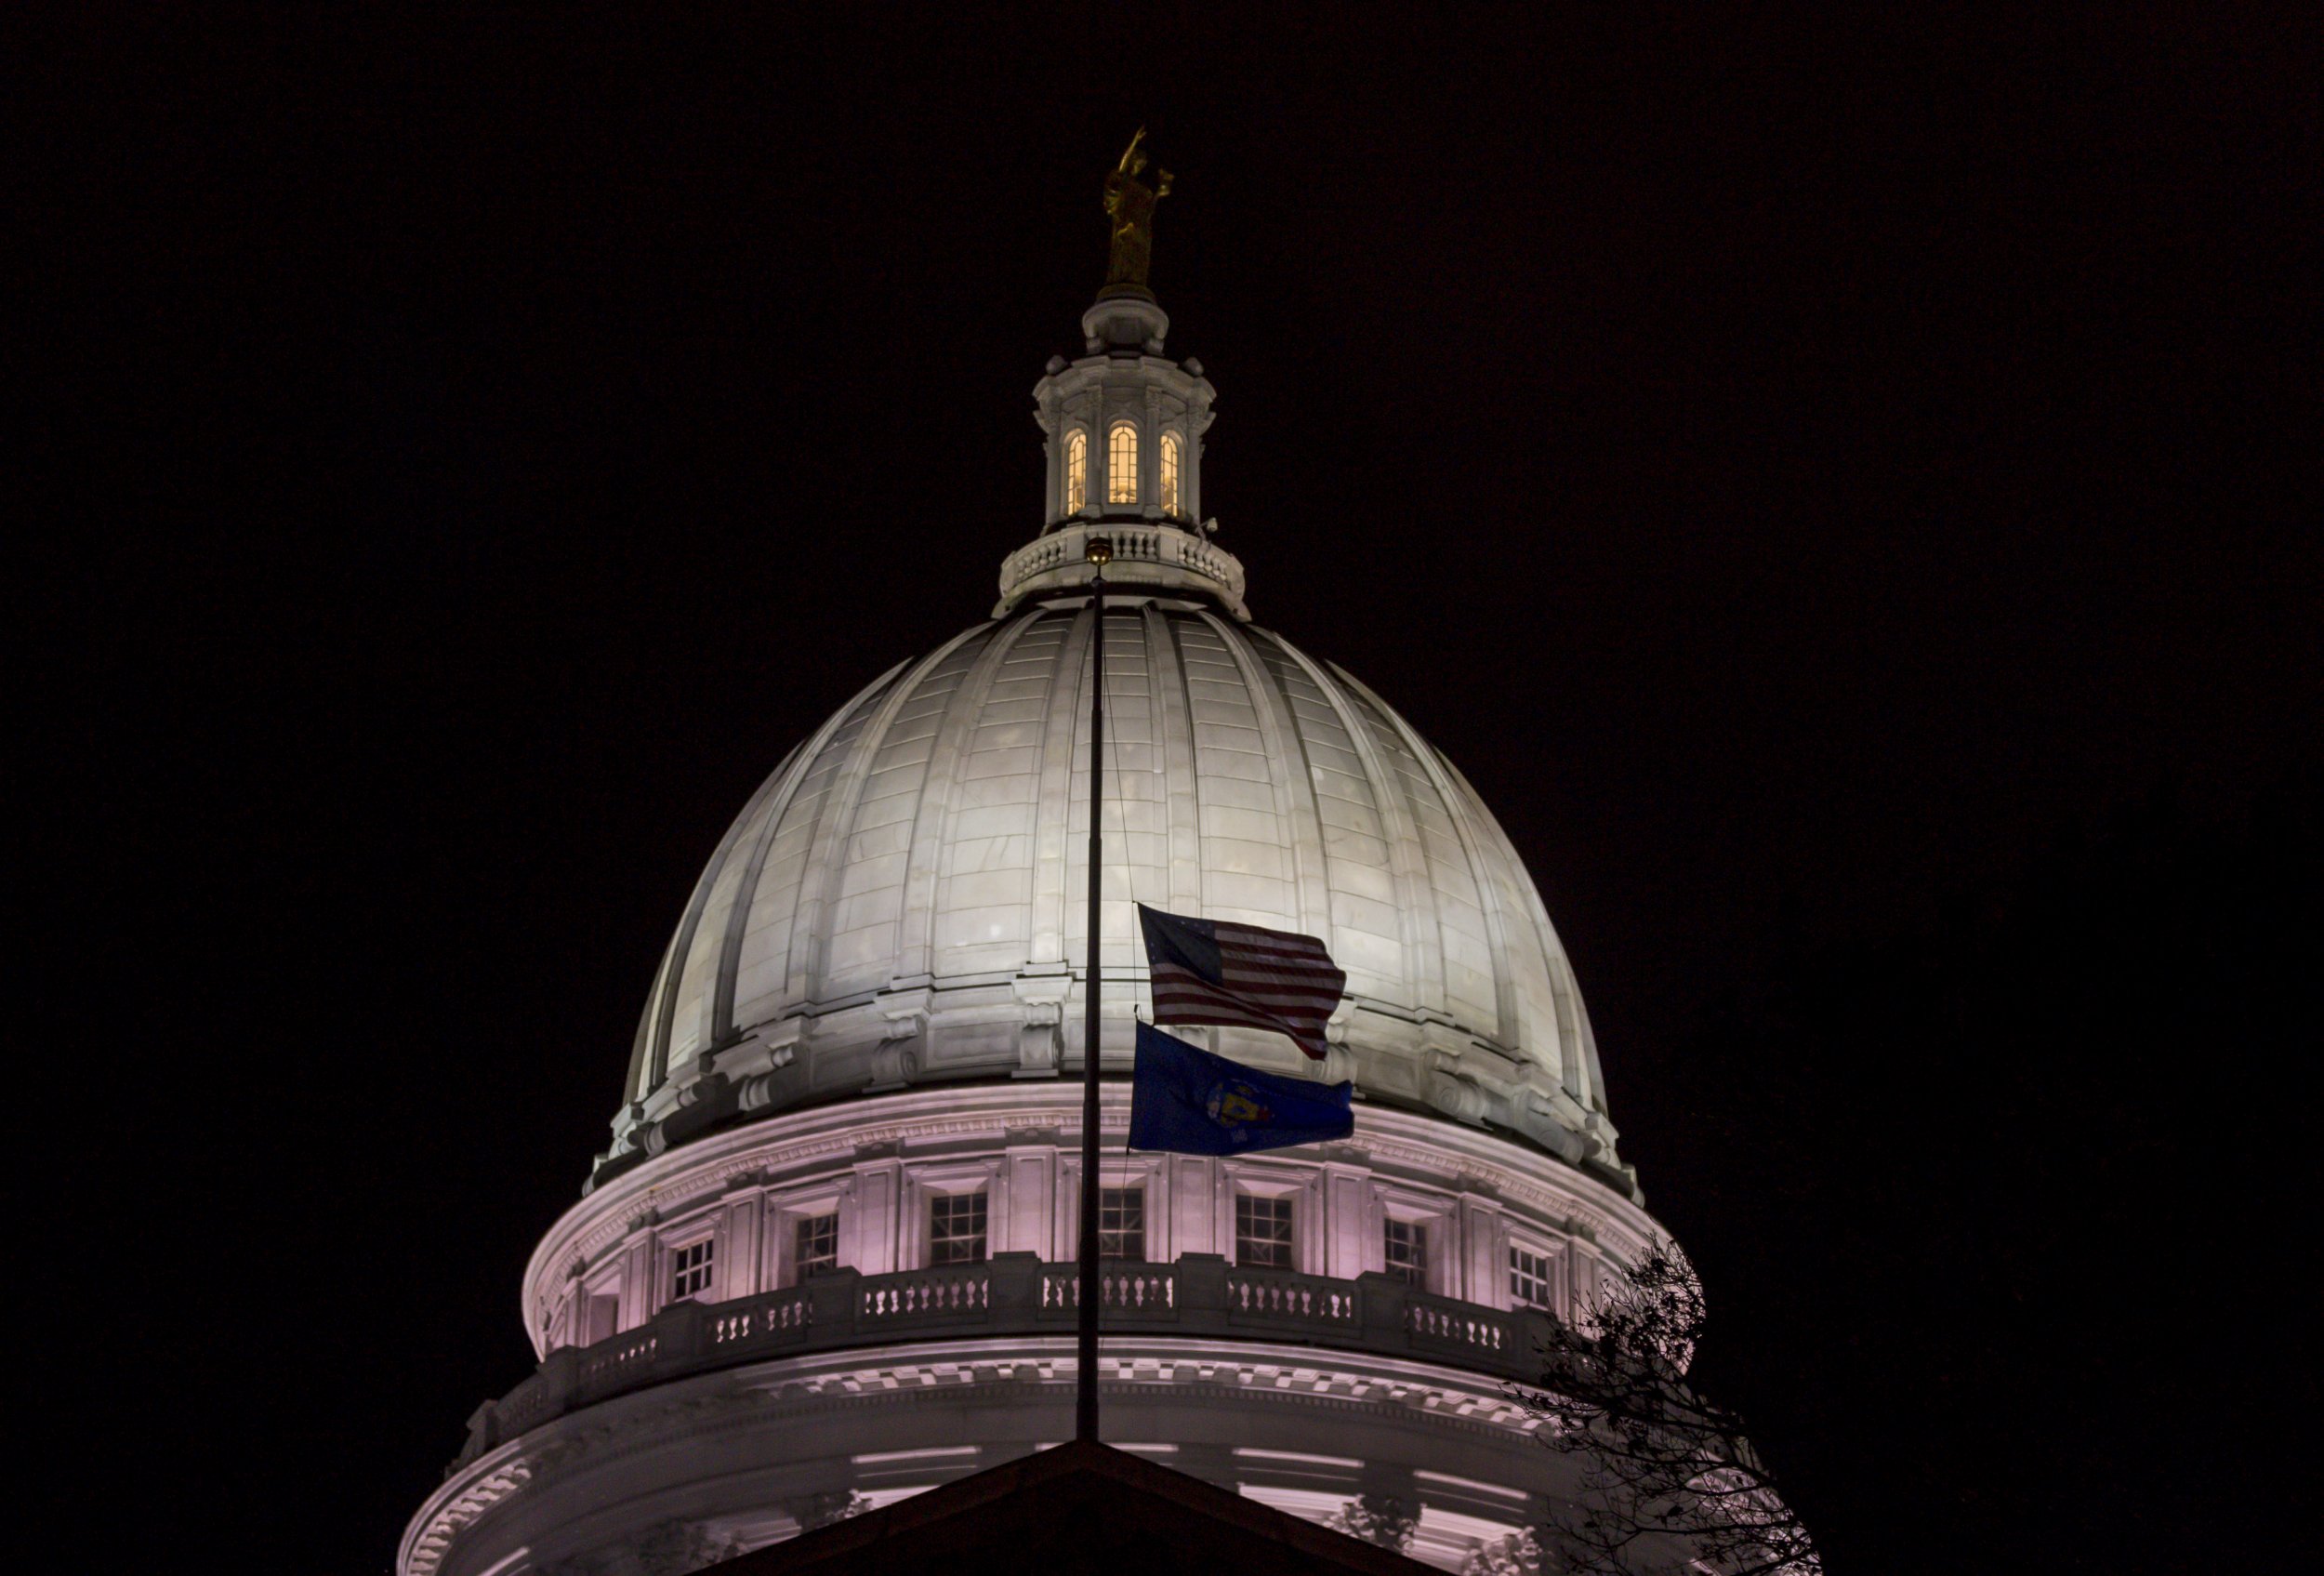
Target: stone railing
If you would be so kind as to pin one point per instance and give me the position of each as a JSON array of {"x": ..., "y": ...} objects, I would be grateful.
[
  {"x": 1017, "y": 1295},
  {"x": 1144, "y": 555}
]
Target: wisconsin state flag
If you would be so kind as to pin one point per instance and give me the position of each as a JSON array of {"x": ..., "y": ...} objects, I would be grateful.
[{"x": 1187, "y": 1101}]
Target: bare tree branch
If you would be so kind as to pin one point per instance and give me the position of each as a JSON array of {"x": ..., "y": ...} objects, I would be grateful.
[{"x": 1671, "y": 1481}]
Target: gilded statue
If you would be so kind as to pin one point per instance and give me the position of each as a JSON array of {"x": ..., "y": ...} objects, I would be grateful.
[{"x": 1129, "y": 207}]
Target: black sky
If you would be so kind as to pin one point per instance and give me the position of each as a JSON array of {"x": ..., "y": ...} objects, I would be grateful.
[{"x": 1819, "y": 471}]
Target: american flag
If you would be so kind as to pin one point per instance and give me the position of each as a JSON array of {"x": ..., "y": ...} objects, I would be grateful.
[{"x": 1219, "y": 972}]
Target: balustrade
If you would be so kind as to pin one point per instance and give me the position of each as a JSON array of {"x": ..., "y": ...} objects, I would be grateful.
[
  {"x": 929, "y": 1291},
  {"x": 1267, "y": 1294},
  {"x": 1440, "y": 1319},
  {"x": 1019, "y": 1295},
  {"x": 1140, "y": 1288},
  {"x": 1164, "y": 545}
]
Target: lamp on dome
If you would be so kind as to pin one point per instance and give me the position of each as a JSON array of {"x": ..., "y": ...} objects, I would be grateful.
[{"x": 1099, "y": 550}]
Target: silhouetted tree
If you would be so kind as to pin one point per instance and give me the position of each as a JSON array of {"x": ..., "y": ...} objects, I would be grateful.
[{"x": 1672, "y": 1482}]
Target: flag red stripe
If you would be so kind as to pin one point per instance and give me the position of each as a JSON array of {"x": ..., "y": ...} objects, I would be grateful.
[
  {"x": 1181, "y": 997},
  {"x": 1273, "y": 984},
  {"x": 1288, "y": 993},
  {"x": 1268, "y": 979},
  {"x": 1175, "y": 999}
]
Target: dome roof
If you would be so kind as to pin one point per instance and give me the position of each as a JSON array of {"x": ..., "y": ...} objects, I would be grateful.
[{"x": 902, "y": 902}]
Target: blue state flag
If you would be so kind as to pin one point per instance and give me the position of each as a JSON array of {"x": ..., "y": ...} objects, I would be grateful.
[{"x": 1188, "y": 1100}]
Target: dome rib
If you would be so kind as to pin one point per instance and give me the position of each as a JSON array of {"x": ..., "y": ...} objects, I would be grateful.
[
  {"x": 1296, "y": 806},
  {"x": 932, "y": 822},
  {"x": 885, "y": 768},
  {"x": 1581, "y": 1074},
  {"x": 1173, "y": 715},
  {"x": 681, "y": 949},
  {"x": 777, "y": 793},
  {"x": 1052, "y": 805},
  {"x": 1507, "y": 1023},
  {"x": 1416, "y": 898}
]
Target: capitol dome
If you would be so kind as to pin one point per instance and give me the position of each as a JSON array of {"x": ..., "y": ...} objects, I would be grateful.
[
  {"x": 829, "y": 1259},
  {"x": 898, "y": 903}
]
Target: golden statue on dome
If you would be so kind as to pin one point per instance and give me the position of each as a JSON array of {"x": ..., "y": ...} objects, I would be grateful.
[{"x": 1129, "y": 207}]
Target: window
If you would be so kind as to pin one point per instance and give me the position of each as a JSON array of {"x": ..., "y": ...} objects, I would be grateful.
[
  {"x": 1169, "y": 477},
  {"x": 1121, "y": 1223},
  {"x": 690, "y": 1270},
  {"x": 1076, "y": 471},
  {"x": 955, "y": 1228},
  {"x": 1528, "y": 1278},
  {"x": 1121, "y": 464},
  {"x": 817, "y": 1240},
  {"x": 1263, "y": 1232},
  {"x": 1407, "y": 1254}
]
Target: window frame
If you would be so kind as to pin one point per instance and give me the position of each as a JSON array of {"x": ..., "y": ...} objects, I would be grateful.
[
  {"x": 1121, "y": 462},
  {"x": 942, "y": 1201},
  {"x": 1170, "y": 475},
  {"x": 914, "y": 1216},
  {"x": 1288, "y": 1201},
  {"x": 1549, "y": 1277},
  {"x": 1129, "y": 1187},
  {"x": 677, "y": 1265},
  {"x": 1413, "y": 1270},
  {"x": 800, "y": 1221},
  {"x": 1076, "y": 470},
  {"x": 1438, "y": 1215}
]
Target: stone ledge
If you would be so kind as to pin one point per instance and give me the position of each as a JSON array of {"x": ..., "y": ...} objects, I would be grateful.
[{"x": 1198, "y": 1295}]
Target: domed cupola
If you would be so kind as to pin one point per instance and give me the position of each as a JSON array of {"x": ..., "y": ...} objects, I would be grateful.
[{"x": 1124, "y": 426}]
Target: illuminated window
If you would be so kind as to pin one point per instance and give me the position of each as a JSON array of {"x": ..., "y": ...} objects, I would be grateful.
[
  {"x": 1076, "y": 471},
  {"x": 1263, "y": 1232},
  {"x": 1169, "y": 477},
  {"x": 1528, "y": 1278},
  {"x": 1407, "y": 1252},
  {"x": 1121, "y": 464},
  {"x": 955, "y": 1228},
  {"x": 1121, "y": 1223},
  {"x": 690, "y": 1270},
  {"x": 818, "y": 1242}
]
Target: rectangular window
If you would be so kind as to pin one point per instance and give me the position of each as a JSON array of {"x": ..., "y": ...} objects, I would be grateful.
[
  {"x": 817, "y": 1240},
  {"x": 1263, "y": 1232},
  {"x": 1121, "y": 1223},
  {"x": 690, "y": 1270},
  {"x": 1407, "y": 1254},
  {"x": 1528, "y": 1278},
  {"x": 955, "y": 1228}
]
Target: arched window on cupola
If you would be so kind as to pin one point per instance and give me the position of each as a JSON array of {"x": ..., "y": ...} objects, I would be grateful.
[
  {"x": 1122, "y": 463},
  {"x": 1076, "y": 471},
  {"x": 1168, "y": 475}
]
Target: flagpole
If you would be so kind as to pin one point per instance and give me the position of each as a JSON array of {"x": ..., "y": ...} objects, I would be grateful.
[{"x": 1100, "y": 553}]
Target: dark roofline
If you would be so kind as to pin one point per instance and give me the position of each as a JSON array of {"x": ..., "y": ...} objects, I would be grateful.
[{"x": 852, "y": 1543}]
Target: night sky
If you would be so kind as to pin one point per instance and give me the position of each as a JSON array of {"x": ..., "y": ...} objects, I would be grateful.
[{"x": 1842, "y": 484}]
